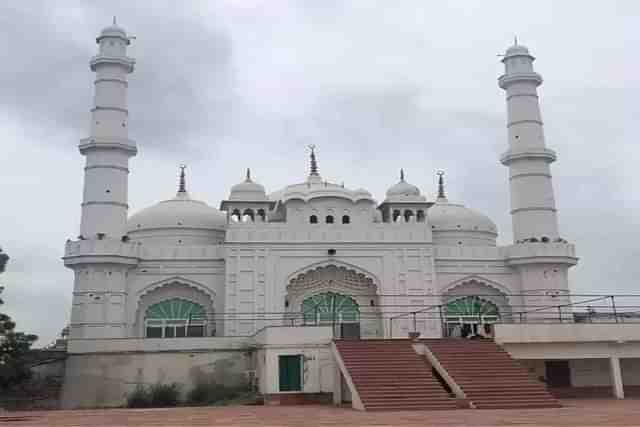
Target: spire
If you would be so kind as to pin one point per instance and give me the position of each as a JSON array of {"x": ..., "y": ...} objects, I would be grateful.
[
  {"x": 182, "y": 188},
  {"x": 441, "y": 193},
  {"x": 515, "y": 40},
  {"x": 314, "y": 163},
  {"x": 248, "y": 175},
  {"x": 114, "y": 20},
  {"x": 402, "y": 175}
]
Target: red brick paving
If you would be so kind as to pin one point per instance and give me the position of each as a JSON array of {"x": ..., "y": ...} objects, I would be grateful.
[{"x": 582, "y": 413}]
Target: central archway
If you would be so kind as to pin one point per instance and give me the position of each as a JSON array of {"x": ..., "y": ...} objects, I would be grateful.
[
  {"x": 330, "y": 308},
  {"x": 336, "y": 295}
]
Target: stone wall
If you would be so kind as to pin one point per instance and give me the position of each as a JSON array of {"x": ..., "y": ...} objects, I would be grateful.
[{"x": 104, "y": 379}]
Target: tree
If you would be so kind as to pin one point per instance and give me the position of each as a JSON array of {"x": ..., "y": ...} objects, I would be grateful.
[{"x": 13, "y": 345}]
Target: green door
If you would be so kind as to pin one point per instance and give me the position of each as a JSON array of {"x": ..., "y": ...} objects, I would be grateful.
[{"x": 290, "y": 373}]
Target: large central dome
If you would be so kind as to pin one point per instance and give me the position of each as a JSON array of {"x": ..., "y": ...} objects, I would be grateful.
[
  {"x": 180, "y": 220},
  {"x": 179, "y": 212}
]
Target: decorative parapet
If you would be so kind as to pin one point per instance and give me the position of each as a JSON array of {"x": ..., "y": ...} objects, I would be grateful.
[
  {"x": 527, "y": 253},
  {"x": 143, "y": 345},
  {"x": 109, "y": 250},
  {"x": 470, "y": 252},
  {"x": 334, "y": 233}
]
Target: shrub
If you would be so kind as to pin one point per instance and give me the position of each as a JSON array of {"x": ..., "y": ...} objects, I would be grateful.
[
  {"x": 154, "y": 396},
  {"x": 165, "y": 394},
  {"x": 139, "y": 397},
  {"x": 210, "y": 393}
]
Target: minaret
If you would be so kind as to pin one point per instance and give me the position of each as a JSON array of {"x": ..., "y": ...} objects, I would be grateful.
[
  {"x": 108, "y": 148},
  {"x": 539, "y": 257},
  {"x": 533, "y": 208}
]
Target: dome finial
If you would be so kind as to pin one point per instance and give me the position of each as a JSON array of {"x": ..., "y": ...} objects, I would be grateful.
[
  {"x": 182, "y": 187},
  {"x": 402, "y": 175},
  {"x": 114, "y": 20},
  {"x": 248, "y": 175},
  {"x": 314, "y": 163},
  {"x": 515, "y": 40},
  {"x": 441, "y": 193}
]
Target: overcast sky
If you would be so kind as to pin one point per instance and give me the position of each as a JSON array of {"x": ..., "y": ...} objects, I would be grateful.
[{"x": 377, "y": 86}]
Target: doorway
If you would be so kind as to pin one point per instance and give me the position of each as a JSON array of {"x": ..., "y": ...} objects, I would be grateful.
[
  {"x": 558, "y": 373},
  {"x": 290, "y": 369}
]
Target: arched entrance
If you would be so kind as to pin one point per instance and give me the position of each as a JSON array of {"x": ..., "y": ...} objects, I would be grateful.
[
  {"x": 470, "y": 315},
  {"x": 175, "y": 318},
  {"x": 335, "y": 295},
  {"x": 330, "y": 308},
  {"x": 472, "y": 306}
]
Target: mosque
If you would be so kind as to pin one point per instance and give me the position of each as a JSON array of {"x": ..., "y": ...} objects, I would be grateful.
[{"x": 183, "y": 287}]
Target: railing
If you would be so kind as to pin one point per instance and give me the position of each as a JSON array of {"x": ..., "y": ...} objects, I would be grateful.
[{"x": 404, "y": 315}]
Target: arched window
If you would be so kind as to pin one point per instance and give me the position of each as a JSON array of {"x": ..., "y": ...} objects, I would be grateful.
[
  {"x": 346, "y": 219},
  {"x": 408, "y": 215},
  {"x": 420, "y": 216},
  {"x": 235, "y": 215},
  {"x": 313, "y": 219},
  {"x": 262, "y": 215},
  {"x": 471, "y": 309},
  {"x": 396, "y": 215},
  {"x": 248, "y": 215},
  {"x": 330, "y": 308},
  {"x": 329, "y": 219},
  {"x": 175, "y": 318}
]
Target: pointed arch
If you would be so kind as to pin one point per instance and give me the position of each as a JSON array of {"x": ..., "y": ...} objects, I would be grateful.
[
  {"x": 170, "y": 289},
  {"x": 340, "y": 264}
]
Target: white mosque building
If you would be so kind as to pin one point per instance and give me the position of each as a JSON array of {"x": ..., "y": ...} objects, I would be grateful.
[
  {"x": 227, "y": 271},
  {"x": 157, "y": 291}
]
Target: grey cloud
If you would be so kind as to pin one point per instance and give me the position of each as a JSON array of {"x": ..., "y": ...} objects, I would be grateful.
[{"x": 224, "y": 85}]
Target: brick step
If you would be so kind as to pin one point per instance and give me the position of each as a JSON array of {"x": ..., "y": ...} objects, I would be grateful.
[
  {"x": 496, "y": 386},
  {"x": 372, "y": 382},
  {"x": 425, "y": 392},
  {"x": 387, "y": 373},
  {"x": 412, "y": 407},
  {"x": 507, "y": 377},
  {"x": 401, "y": 386},
  {"x": 495, "y": 394},
  {"x": 518, "y": 405},
  {"x": 407, "y": 399}
]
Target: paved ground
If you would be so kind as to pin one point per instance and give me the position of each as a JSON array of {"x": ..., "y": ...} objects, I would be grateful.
[{"x": 582, "y": 413}]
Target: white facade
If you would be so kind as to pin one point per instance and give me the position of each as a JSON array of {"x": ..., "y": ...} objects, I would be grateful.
[{"x": 263, "y": 256}]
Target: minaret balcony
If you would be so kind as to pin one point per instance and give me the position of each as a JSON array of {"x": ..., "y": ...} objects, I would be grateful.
[
  {"x": 126, "y": 62},
  {"x": 528, "y": 153},
  {"x": 93, "y": 142},
  {"x": 100, "y": 251},
  {"x": 541, "y": 253},
  {"x": 507, "y": 79}
]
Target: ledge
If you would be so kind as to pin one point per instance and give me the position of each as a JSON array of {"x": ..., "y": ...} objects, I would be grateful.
[
  {"x": 527, "y": 253},
  {"x": 538, "y": 333}
]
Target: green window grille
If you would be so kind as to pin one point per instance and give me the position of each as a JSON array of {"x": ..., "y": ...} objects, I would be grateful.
[
  {"x": 330, "y": 307},
  {"x": 471, "y": 309},
  {"x": 175, "y": 318}
]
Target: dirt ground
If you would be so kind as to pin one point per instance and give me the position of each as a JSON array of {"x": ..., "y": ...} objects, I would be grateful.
[{"x": 582, "y": 413}]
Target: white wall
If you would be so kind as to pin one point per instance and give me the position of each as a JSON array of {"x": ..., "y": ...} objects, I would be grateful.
[{"x": 103, "y": 379}]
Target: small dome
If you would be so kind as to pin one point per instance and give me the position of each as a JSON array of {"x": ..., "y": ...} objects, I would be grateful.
[
  {"x": 113, "y": 30},
  {"x": 361, "y": 192},
  {"x": 403, "y": 191},
  {"x": 517, "y": 50},
  {"x": 403, "y": 188},
  {"x": 445, "y": 216},
  {"x": 248, "y": 191},
  {"x": 179, "y": 212}
]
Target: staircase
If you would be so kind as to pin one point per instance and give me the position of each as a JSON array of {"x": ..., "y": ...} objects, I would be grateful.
[
  {"x": 390, "y": 375},
  {"x": 488, "y": 376}
]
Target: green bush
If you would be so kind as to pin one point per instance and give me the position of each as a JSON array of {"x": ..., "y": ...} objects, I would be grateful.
[
  {"x": 210, "y": 393},
  {"x": 154, "y": 396},
  {"x": 165, "y": 395},
  {"x": 139, "y": 397}
]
